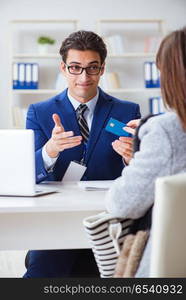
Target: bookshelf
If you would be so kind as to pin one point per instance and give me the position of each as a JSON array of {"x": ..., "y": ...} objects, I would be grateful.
[
  {"x": 34, "y": 55},
  {"x": 136, "y": 48},
  {"x": 54, "y": 91},
  {"x": 131, "y": 43},
  {"x": 24, "y": 49}
]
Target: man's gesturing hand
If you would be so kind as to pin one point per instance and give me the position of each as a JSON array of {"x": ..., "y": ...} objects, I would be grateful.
[{"x": 61, "y": 139}]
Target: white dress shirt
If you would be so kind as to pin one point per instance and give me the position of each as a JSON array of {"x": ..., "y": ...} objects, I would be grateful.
[{"x": 89, "y": 113}]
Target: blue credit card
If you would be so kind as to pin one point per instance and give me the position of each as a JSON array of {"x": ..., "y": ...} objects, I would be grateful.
[{"x": 116, "y": 127}]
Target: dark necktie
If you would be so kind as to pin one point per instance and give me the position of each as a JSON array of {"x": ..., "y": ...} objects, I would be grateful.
[{"x": 82, "y": 121}]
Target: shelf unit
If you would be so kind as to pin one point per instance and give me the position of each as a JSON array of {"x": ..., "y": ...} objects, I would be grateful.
[
  {"x": 134, "y": 35},
  {"x": 53, "y": 91},
  {"x": 23, "y": 36},
  {"x": 35, "y": 55},
  {"x": 23, "y": 48},
  {"x": 129, "y": 54}
]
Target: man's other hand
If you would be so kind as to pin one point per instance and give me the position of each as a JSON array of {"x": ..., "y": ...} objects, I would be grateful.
[
  {"x": 61, "y": 139},
  {"x": 124, "y": 147}
]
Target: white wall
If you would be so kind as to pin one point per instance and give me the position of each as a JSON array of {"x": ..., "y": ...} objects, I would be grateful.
[{"x": 87, "y": 11}]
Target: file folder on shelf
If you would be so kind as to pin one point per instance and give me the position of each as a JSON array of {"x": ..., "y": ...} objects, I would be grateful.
[
  {"x": 147, "y": 74},
  {"x": 28, "y": 76},
  {"x": 151, "y": 75},
  {"x": 25, "y": 75},
  {"x": 15, "y": 75},
  {"x": 161, "y": 105},
  {"x": 156, "y": 105},
  {"x": 155, "y": 75},
  {"x": 35, "y": 76},
  {"x": 21, "y": 75}
]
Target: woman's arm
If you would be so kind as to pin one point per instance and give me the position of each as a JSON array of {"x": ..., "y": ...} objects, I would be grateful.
[{"x": 133, "y": 193}]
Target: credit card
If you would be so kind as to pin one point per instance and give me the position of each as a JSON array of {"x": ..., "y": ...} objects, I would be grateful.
[{"x": 116, "y": 127}]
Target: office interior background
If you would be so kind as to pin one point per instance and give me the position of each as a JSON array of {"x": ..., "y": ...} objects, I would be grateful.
[{"x": 87, "y": 13}]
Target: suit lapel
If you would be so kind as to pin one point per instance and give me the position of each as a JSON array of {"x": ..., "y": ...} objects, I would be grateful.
[
  {"x": 68, "y": 118},
  {"x": 101, "y": 113},
  {"x": 67, "y": 113}
]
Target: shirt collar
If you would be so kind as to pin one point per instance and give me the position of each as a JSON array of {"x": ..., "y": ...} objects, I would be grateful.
[{"x": 90, "y": 104}]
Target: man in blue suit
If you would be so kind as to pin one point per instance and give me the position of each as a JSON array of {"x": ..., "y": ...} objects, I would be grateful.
[{"x": 70, "y": 127}]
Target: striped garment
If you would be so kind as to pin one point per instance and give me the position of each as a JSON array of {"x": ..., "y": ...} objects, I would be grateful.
[{"x": 106, "y": 235}]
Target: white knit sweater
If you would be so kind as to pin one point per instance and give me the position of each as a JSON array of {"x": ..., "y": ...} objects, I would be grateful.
[{"x": 162, "y": 152}]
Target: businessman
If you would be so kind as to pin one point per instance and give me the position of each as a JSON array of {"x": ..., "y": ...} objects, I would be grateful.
[{"x": 71, "y": 127}]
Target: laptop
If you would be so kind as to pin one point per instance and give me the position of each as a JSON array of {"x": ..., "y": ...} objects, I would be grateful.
[{"x": 17, "y": 164}]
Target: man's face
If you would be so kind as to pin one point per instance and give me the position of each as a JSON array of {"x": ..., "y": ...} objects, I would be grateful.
[{"x": 82, "y": 87}]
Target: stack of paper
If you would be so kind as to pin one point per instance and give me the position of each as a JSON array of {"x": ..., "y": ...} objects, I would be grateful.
[{"x": 97, "y": 185}]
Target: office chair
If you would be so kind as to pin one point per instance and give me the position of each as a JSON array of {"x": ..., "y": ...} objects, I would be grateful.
[{"x": 168, "y": 254}]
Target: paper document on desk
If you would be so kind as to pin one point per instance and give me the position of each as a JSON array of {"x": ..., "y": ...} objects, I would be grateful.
[{"x": 95, "y": 185}]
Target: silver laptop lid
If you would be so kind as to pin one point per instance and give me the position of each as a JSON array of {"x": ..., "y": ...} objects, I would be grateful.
[{"x": 17, "y": 162}]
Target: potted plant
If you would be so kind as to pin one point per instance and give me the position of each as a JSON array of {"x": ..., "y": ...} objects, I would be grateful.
[{"x": 43, "y": 43}]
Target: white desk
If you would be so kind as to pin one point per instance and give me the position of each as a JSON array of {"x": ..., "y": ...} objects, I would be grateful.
[{"x": 51, "y": 221}]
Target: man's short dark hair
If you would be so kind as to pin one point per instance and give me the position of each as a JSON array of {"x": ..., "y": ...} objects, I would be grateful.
[{"x": 83, "y": 40}]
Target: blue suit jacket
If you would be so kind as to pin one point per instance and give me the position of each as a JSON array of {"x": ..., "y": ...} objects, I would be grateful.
[{"x": 102, "y": 162}]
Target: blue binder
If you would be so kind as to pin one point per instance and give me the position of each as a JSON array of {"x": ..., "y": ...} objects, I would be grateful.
[
  {"x": 15, "y": 76},
  {"x": 25, "y": 75},
  {"x": 155, "y": 76},
  {"x": 21, "y": 75},
  {"x": 147, "y": 74},
  {"x": 155, "y": 106},
  {"x": 35, "y": 76},
  {"x": 28, "y": 76},
  {"x": 151, "y": 75}
]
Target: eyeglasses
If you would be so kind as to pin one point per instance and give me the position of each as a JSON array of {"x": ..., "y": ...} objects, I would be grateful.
[{"x": 77, "y": 70}]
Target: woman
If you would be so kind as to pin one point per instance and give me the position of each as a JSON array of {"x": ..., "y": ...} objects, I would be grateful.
[{"x": 162, "y": 142}]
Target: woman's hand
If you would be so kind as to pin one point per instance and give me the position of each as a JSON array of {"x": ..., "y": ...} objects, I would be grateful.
[
  {"x": 124, "y": 145},
  {"x": 131, "y": 126}
]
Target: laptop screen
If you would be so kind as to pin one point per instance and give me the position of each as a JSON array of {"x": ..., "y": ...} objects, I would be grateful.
[{"x": 17, "y": 161}]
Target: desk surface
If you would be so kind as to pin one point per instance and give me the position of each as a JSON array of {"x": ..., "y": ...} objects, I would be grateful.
[
  {"x": 69, "y": 197},
  {"x": 52, "y": 221}
]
